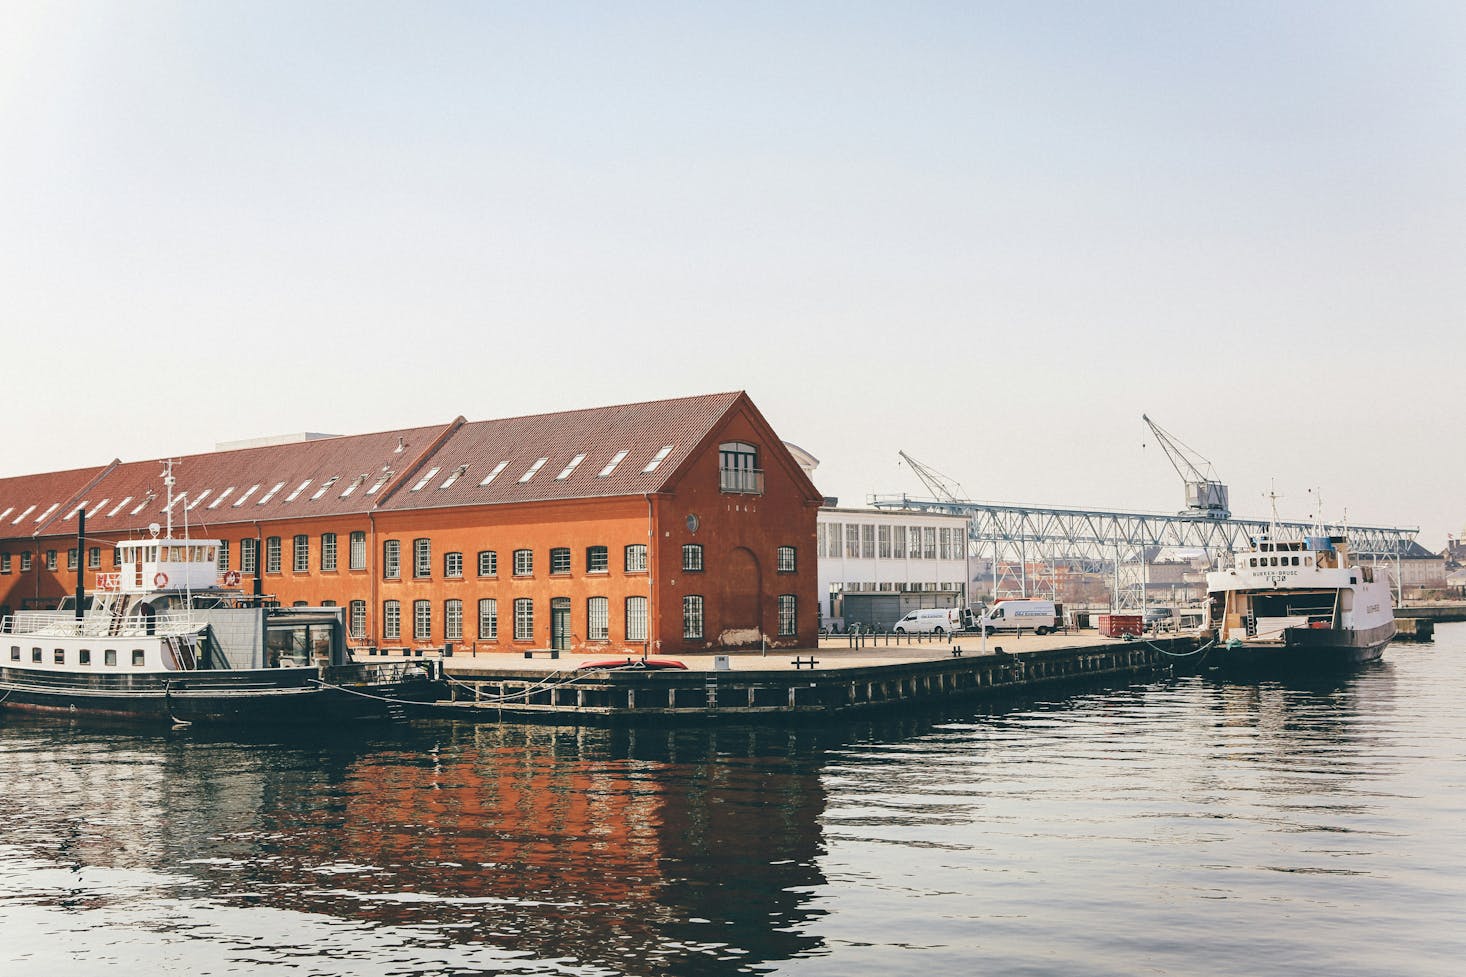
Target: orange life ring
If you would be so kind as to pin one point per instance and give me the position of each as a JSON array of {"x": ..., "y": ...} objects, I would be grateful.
[
  {"x": 160, "y": 579},
  {"x": 231, "y": 578}
]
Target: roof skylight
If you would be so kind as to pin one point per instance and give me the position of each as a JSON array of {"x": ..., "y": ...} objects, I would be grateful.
[
  {"x": 7, "y": 512},
  {"x": 619, "y": 457},
  {"x": 118, "y": 507},
  {"x": 198, "y": 500},
  {"x": 495, "y": 473},
  {"x": 247, "y": 493},
  {"x": 651, "y": 466},
  {"x": 356, "y": 483},
  {"x": 426, "y": 478},
  {"x": 270, "y": 494},
  {"x": 298, "y": 489},
  {"x": 54, "y": 507},
  {"x": 221, "y": 497},
  {"x": 72, "y": 514},
  {"x": 23, "y": 515},
  {"x": 532, "y": 470},
  {"x": 325, "y": 487},
  {"x": 574, "y": 463},
  {"x": 457, "y": 473},
  {"x": 386, "y": 474},
  {"x": 143, "y": 504}
]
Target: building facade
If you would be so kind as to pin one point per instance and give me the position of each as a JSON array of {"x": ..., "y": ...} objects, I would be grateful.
[
  {"x": 878, "y": 564},
  {"x": 662, "y": 527}
]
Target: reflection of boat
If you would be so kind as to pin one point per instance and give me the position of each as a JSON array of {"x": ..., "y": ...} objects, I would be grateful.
[
  {"x": 161, "y": 639},
  {"x": 648, "y": 663},
  {"x": 1299, "y": 602}
]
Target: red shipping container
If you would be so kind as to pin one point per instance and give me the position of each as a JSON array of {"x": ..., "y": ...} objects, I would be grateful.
[{"x": 1118, "y": 625}]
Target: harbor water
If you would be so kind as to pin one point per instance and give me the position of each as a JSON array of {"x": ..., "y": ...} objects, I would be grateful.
[{"x": 1191, "y": 825}]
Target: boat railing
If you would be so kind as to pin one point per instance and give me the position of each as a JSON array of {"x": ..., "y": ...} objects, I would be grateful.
[{"x": 62, "y": 624}]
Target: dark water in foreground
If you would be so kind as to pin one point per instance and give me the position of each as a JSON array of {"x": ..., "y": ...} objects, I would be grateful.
[{"x": 1188, "y": 826}]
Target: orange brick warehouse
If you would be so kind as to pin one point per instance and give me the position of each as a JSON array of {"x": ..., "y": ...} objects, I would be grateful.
[{"x": 668, "y": 526}]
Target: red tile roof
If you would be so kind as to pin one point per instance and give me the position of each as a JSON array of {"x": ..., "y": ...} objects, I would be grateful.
[
  {"x": 283, "y": 481},
  {"x": 599, "y": 434}
]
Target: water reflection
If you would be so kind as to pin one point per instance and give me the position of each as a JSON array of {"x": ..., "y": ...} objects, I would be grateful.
[
  {"x": 1191, "y": 825},
  {"x": 691, "y": 851}
]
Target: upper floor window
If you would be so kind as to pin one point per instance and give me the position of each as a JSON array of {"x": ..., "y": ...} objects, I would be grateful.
[
  {"x": 560, "y": 559},
  {"x": 356, "y": 620},
  {"x": 488, "y": 563},
  {"x": 597, "y": 559},
  {"x": 25, "y": 562},
  {"x": 422, "y": 620},
  {"x": 422, "y": 558},
  {"x": 50, "y": 559},
  {"x": 636, "y": 558},
  {"x": 249, "y": 555},
  {"x": 392, "y": 559},
  {"x": 692, "y": 556},
  {"x": 272, "y": 554},
  {"x": 358, "y": 551},
  {"x": 71, "y": 558},
  {"x": 223, "y": 554},
  {"x": 738, "y": 469},
  {"x": 785, "y": 562},
  {"x": 452, "y": 564},
  {"x": 328, "y": 552},
  {"x": 302, "y": 561},
  {"x": 523, "y": 563},
  {"x": 391, "y": 620}
]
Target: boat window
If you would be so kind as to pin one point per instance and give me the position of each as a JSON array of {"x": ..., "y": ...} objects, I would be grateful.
[
  {"x": 15, "y": 653},
  {"x": 36, "y": 655},
  {"x": 137, "y": 656},
  {"x": 1308, "y": 561},
  {"x": 84, "y": 656},
  {"x": 60, "y": 658},
  {"x": 109, "y": 657},
  {"x": 1252, "y": 562},
  {"x": 1295, "y": 561}
]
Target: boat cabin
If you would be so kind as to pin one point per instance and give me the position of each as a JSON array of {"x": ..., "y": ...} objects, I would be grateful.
[{"x": 163, "y": 564}]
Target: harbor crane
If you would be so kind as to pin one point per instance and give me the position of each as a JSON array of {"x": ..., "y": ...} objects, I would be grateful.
[
  {"x": 1206, "y": 497},
  {"x": 942, "y": 488}
]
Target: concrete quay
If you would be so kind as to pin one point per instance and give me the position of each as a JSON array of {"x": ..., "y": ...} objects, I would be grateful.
[{"x": 784, "y": 684}]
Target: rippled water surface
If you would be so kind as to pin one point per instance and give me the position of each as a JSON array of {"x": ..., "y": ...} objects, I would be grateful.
[{"x": 1183, "y": 826}]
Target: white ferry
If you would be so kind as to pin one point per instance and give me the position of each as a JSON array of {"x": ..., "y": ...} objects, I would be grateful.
[
  {"x": 167, "y": 637},
  {"x": 1299, "y": 602}
]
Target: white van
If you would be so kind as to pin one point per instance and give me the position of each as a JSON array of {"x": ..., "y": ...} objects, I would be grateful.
[
  {"x": 1011, "y": 614},
  {"x": 930, "y": 620}
]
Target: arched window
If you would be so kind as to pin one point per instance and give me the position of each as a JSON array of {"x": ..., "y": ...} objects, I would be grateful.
[{"x": 738, "y": 469}]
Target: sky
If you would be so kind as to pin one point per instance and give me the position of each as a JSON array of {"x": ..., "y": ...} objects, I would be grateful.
[{"x": 991, "y": 235}]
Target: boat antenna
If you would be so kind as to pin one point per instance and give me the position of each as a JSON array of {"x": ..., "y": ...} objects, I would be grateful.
[
  {"x": 168, "y": 484},
  {"x": 1273, "y": 496}
]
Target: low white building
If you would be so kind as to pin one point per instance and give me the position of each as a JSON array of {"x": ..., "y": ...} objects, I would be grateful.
[{"x": 875, "y": 565}]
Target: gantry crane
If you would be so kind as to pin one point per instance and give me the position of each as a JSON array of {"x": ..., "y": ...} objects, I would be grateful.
[{"x": 1206, "y": 497}]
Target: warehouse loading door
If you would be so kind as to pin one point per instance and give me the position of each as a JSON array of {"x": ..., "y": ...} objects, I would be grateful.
[{"x": 878, "y": 611}]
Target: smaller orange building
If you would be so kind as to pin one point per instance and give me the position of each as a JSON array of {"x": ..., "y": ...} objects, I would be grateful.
[{"x": 657, "y": 527}]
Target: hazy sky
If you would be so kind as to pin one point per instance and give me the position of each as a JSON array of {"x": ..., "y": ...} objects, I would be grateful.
[{"x": 990, "y": 234}]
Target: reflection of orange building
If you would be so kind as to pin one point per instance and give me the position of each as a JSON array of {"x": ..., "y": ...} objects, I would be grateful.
[
  {"x": 602, "y": 846},
  {"x": 680, "y": 524}
]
